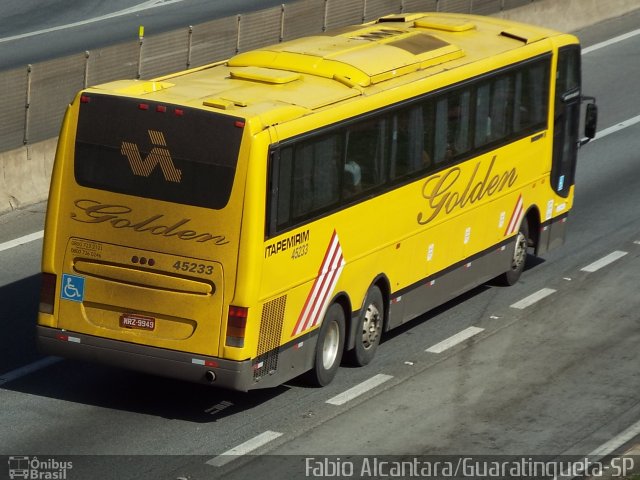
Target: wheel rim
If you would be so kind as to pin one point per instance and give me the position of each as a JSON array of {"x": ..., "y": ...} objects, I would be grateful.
[
  {"x": 331, "y": 344},
  {"x": 371, "y": 326},
  {"x": 520, "y": 253}
]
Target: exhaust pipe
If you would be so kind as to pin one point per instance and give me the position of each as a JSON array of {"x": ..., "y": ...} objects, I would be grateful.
[{"x": 210, "y": 376}]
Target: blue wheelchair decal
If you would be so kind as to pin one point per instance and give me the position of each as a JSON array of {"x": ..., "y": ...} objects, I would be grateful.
[{"x": 72, "y": 288}]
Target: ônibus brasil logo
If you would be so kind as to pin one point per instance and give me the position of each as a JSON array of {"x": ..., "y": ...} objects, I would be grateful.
[{"x": 36, "y": 469}]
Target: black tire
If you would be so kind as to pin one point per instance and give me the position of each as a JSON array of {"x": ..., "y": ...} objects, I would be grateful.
[
  {"x": 519, "y": 259},
  {"x": 329, "y": 348},
  {"x": 369, "y": 328}
]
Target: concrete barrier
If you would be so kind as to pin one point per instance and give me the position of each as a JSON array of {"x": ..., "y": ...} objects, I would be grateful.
[{"x": 25, "y": 172}]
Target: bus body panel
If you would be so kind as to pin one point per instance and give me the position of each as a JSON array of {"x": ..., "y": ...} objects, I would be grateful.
[{"x": 212, "y": 283}]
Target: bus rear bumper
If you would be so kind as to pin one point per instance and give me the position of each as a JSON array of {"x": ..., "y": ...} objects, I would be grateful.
[{"x": 235, "y": 375}]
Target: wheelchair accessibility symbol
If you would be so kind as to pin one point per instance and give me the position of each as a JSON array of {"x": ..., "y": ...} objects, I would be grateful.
[{"x": 72, "y": 288}]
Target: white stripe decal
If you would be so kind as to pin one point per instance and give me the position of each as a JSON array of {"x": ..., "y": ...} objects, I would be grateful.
[
  {"x": 514, "y": 223},
  {"x": 323, "y": 286}
]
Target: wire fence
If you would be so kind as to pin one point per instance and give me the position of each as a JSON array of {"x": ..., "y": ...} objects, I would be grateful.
[{"x": 35, "y": 97}]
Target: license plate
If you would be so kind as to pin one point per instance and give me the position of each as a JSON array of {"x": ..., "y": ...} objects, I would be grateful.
[{"x": 130, "y": 320}]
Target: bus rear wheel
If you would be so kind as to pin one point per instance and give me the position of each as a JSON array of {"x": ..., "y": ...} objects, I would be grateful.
[
  {"x": 511, "y": 276},
  {"x": 329, "y": 347},
  {"x": 369, "y": 329}
]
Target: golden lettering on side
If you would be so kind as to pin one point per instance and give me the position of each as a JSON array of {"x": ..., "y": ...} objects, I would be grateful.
[
  {"x": 441, "y": 193},
  {"x": 158, "y": 155}
]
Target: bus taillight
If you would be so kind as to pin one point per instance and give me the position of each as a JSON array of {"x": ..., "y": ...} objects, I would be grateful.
[
  {"x": 236, "y": 326},
  {"x": 47, "y": 292}
]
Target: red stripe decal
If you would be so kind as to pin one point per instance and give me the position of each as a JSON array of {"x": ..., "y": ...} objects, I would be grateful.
[{"x": 323, "y": 286}]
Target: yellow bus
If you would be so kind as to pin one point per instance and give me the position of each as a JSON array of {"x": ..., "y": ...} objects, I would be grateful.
[{"x": 247, "y": 222}]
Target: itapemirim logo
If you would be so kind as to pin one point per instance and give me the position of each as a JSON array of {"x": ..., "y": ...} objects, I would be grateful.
[
  {"x": 33, "y": 468},
  {"x": 158, "y": 155}
]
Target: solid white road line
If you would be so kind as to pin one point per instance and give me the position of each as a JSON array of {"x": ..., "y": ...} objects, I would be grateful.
[
  {"x": 244, "y": 448},
  {"x": 603, "y": 262},
  {"x": 617, "y": 127},
  {"x": 359, "y": 389},
  {"x": 617, "y": 441},
  {"x": 127, "y": 11},
  {"x": 611, "y": 41},
  {"x": 27, "y": 369},
  {"x": 21, "y": 241},
  {"x": 454, "y": 340},
  {"x": 533, "y": 298}
]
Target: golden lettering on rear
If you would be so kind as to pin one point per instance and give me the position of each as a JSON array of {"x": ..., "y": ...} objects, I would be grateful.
[{"x": 121, "y": 217}]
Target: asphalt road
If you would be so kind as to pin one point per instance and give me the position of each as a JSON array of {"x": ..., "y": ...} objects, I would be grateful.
[
  {"x": 558, "y": 377},
  {"x": 32, "y": 31}
]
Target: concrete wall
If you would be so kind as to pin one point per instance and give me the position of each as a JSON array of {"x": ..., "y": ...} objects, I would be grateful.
[{"x": 25, "y": 172}]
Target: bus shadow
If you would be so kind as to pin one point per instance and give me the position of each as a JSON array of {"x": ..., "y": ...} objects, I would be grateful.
[
  {"x": 18, "y": 310},
  {"x": 99, "y": 385},
  {"x": 129, "y": 391}
]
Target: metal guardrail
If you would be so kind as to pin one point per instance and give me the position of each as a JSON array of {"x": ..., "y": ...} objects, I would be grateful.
[{"x": 36, "y": 96}]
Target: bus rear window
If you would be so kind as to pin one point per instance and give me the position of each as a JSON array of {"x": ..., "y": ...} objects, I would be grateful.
[{"x": 160, "y": 151}]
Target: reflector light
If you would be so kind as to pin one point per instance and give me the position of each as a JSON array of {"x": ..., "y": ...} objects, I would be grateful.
[
  {"x": 62, "y": 337},
  {"x": 47, "y": 292},
  {"x": 143, "y": 106}
]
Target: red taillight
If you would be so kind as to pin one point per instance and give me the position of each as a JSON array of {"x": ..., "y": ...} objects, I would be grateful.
[
  {"x": 143, "y": 106},
  {"x": 85, "y": 99},
  {"x": 178, "y": 112},
  {"x": 239, "y": 123},
  {"x": 161, "y": 108},
  {"x": 236, "y": 326},
  {"x": 47, "y": 293}
]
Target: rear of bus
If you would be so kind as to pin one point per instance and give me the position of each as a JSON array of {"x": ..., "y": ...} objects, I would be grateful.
[{"x": 141, "y": 237}]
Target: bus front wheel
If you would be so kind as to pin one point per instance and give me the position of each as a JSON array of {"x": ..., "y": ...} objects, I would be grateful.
[
  {"x": 329, "y": 347},
  {"x": 511, "y": 276}
]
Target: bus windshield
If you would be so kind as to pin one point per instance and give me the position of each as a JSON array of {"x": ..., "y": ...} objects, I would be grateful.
[{"x": 159, "y": 151}]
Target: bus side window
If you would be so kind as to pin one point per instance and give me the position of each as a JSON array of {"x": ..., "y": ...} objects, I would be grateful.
[
  {"x": 364, "y": 160},
  {"x": 501, "y": 110},
  {"x": 452, "y": 125},
  {"x": 315, "y": 175},
  {"x": 483, "y": 120},
  {"x": 284, "y": 187},
  {"x": 408, "y": 154}
]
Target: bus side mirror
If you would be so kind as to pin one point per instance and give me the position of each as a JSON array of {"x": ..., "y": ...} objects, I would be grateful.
[{"x": 591, "y": 121}]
